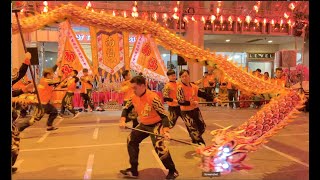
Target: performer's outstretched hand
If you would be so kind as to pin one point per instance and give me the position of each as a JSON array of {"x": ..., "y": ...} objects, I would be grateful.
[
  {"x": 122, "y": 123},
  {"x": 165, "y": 133},
  {"x": 167, "y": 136}
]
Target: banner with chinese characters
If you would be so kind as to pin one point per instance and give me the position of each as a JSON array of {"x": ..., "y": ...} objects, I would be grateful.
[
  {"x": 72, "y": 55},
  {"x": 145, "y": 58},
  {"x": 110, "y": 52}
]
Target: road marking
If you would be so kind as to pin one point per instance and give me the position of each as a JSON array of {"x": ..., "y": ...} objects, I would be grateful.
[
  {"x": 43, "y": 137},
  {"x": 278, "y": 172},
  {"x": 87, "y": 174},
  {"x": 95, "y": 133},
  {"x": 278, "y": 152},
  {"x": 59, "y": 121},
  {"x": 184, "y": 129},
  {"x": 218, "y": 125},
  {"x": 298, "y": 134},
  {"x": 286, "y": 156},
  {"x": 83, "y": 126},
  {"x": 18, "y": 163},
  {"x": 164, "y": 170},
  {"x": 75, "y": 147},
  {"x": 98, "y": 120}
]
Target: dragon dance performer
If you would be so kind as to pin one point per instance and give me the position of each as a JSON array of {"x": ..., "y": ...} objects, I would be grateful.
[
  {"x": 15, "y": 134},
  {"x": 170, "y": 96},
  {"x": 71, "y": 84},
  {"x": 45, "y": 90},
  {"x": 86, "y": 90},
  {"x": 188, "y": 98},
  {"x": 128, "y": 93},
  {"x": 209, "y": 85},
  {"x": 23, "y": 85},
  {"x": 152, "y": 118}
]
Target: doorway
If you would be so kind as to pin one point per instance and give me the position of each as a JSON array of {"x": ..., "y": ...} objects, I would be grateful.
[{"x": 264, "y": 65}]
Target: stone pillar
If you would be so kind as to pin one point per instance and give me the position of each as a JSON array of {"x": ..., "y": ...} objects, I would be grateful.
[
  {"x": 194, "y": 34},
  {"x": 17, "y": 53}
]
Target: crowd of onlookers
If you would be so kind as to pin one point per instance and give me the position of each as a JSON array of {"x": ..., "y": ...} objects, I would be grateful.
[{"x": 215, "y": 85}]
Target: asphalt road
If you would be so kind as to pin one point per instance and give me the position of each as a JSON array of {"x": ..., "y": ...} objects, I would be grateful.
[{"x": 93, "y": 147}]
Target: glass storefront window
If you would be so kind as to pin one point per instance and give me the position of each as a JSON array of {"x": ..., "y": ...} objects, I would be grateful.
[{"x": 237, "y": 57}]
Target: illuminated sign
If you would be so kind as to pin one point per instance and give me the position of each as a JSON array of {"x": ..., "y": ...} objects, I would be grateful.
[{"x": 261, "y": 55}]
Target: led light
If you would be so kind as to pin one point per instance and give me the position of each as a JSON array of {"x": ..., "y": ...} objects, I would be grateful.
[
  {"x": 286, "y": 15},
  {"x": 256, "y": 8},
  {"x": 225, "y": 165},
  {"x": 270, "y": 41},
  {"x": 248, "y": 19},
  {"x": 218, "y": 169},
  {"x": 89, "y": 4},
  {"x": 239, "y": 19},
  {"x": 155, "y": 16},
  {"x": 212, "y": 18},
  {"x": 218, "y": 10},
  {"x": 185, "y": 19},
  {"x": 203, "y": 20},
  {"x": 165, "y": 16},
  {"x": 226, "y": 150},
  {"x": 134, "y": 9},
  {"x": 175, "y": 16},
  {"x": 221, "y": 19},
  {"x": 227, "y": 40},
  {"x": 291, "y": 6}
]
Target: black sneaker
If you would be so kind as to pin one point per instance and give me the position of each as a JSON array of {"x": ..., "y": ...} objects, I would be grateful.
[
  {"x": 51, "y": 128},
  {"x": 172, "y": 174},
  {"x": 128, "y": 173},
  {"x": 14, "y": 169}
]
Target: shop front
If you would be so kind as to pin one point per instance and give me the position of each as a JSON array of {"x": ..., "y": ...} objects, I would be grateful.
[{"x": 263, "y": 61}]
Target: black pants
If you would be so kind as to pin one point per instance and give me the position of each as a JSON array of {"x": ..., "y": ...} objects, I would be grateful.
[
  {"x": 87, "y": 99},
  {"x": 136, "y": 137},
  {"x": 15, "y": 144},
  {"x": 132, "y": 116},
  {"x": 38, "y": 114},
  {"x": 210, "y": 91},
  {"x": 195, "y": 124},
  {"x": 233, "y": 96},
  {"x": 174, "y": 113},
  {"x": 15, "y": 135},
  {"x": 22, "y": 108},
  {"x": 67, "y": 103}
]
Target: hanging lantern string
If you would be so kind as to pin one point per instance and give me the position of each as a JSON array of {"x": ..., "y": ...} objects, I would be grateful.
[{"x": 201, "y": 16}]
